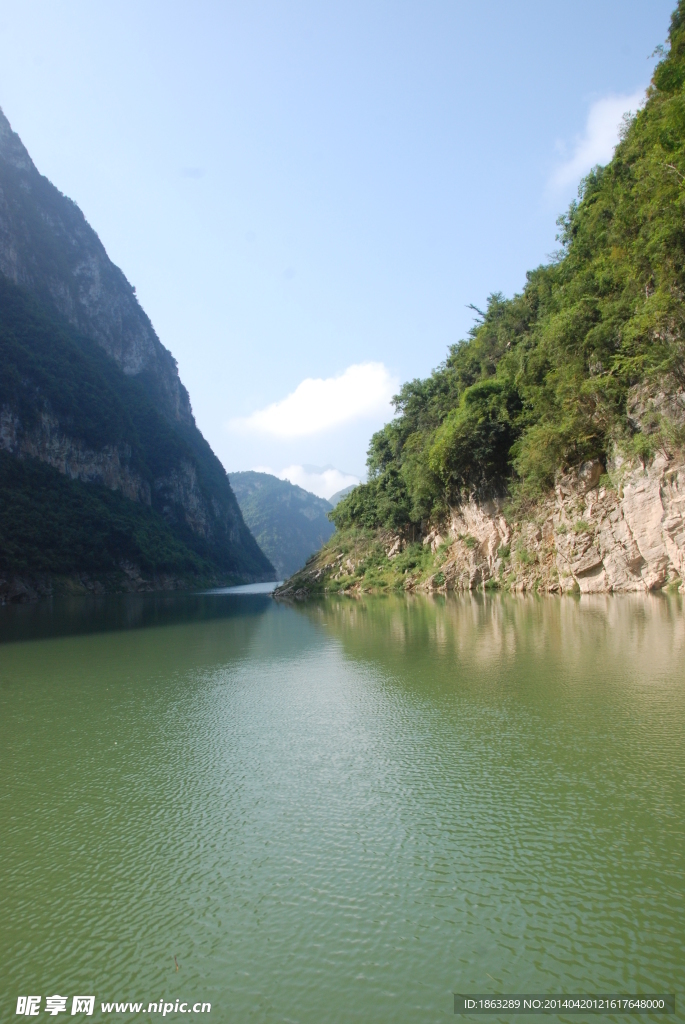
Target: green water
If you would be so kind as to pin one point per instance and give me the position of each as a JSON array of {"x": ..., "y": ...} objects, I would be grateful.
[{"x": 342, "y": 811}]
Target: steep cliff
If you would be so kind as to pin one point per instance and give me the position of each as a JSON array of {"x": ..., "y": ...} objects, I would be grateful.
[
  {"x": 88, "y": 390},
  {"x": 48, "y": 248}
]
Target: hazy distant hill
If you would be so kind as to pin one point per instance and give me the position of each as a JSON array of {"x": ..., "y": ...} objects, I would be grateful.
[
  {"x": 104, "y": 477},
  {"x": 339, "y": 495},
  {"x": 289, "y": 523}
]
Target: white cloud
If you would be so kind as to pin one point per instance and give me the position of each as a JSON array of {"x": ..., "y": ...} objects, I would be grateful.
[
  {"x": 322, "y": 481},
  {"x": 596, "y": 146},
  {"x": 316, "y": 405}
]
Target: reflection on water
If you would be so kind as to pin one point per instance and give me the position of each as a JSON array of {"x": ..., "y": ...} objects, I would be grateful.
[
  {"x": 248, "y": 588},
  {"x": 345, "y": 810},
  {"x": 633, "y": 634},
  {"x": 69, "y": 616}
]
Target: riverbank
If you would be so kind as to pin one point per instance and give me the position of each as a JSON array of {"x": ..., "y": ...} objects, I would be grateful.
[{"x": 615, "y": 529}]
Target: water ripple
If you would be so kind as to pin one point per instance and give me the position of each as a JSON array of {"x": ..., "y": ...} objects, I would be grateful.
[{"x": 345, "y": 811}]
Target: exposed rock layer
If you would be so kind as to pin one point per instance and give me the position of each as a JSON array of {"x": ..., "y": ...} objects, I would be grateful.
[
  {"x": 47, "y": 443},
  {"x": 178, "y": 493},
  {"x": 599, "y": 533},
  {"x": 590, "y": 537}
]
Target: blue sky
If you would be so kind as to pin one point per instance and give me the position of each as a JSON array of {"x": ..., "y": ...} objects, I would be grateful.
[{"x": 308, "y": 195}]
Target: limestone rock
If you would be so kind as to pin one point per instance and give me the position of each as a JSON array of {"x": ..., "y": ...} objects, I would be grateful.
[{"x": 589, "y": 538}]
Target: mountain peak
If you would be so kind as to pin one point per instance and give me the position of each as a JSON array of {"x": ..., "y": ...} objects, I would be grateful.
[
  {"x": 48, "y": 248},
  {"x": 12, "y": 149}
]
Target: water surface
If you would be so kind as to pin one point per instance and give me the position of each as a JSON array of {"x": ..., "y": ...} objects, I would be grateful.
[{"x": 340, "y": 811}]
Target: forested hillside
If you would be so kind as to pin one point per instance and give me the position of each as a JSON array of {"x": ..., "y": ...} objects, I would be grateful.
[
  {"x": 577, "y": 381},
  {"x": 289, "y": 523},
  {"x": 553, "y": 377}
]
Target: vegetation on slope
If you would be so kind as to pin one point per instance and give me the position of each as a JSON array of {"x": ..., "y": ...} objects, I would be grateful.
[
  {"x": 47, "y": 367},
  {"x": 546, "y": 379},
  {"x": 288, "y": 522},
  {"x": 50, "y": 524},
  {"x": 355, "y": 561}
]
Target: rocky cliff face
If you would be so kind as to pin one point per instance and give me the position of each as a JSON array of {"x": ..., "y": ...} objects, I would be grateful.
[
  {"x": 592, "y": 536},
  {"x": 47, "y": 442},
  {"x": 122, "y": 420},
  {"x": 47, "y": 247}
]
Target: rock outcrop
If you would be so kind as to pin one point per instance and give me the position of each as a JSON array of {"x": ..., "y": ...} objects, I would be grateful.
[
  {"x": 621, "y": 531},
  {"x": 592, "y": 537},
  {"x": 48, "y": 443}
]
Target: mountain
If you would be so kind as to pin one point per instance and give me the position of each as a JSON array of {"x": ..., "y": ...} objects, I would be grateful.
[
  {"x": 335, "y": 498},
  {"x": 105, "y": 480},
  {"x": 548, "y": 450},
  {"x": 290, "y": 524}
]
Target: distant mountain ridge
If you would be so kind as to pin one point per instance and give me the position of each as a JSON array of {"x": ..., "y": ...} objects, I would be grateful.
[
  {"x": 90, "y": 392},
  {"x": 339, "y": 495},
  {"x": 289, "y": 523}
]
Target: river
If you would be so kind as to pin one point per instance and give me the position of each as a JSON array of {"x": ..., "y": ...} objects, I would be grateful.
[{"x": 343, "y": 810}]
